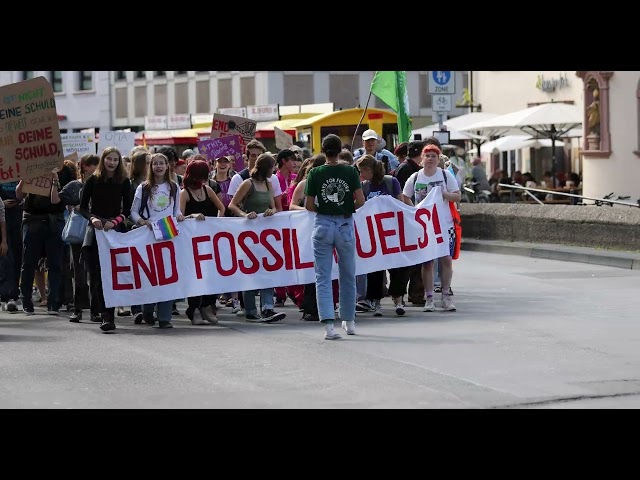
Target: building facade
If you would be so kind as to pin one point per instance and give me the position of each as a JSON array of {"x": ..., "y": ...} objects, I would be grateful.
[
  {"x": 82, "y": 97},
  {"x": 156, "y": 93},
  {"x": 611, "y": 147},
  {"x": 502, "y": 92}
]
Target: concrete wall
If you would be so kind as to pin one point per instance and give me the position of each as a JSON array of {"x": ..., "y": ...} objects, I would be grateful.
[
  {"x": 620, "y": 172},
  {"x": 598, "y": 227}
]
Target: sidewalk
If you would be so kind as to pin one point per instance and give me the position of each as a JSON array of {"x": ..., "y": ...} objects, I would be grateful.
[{"x": 567, "y": 253}]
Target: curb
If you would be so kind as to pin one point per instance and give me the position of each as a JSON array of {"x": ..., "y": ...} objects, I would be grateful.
[{"x": 565, "y": 253}]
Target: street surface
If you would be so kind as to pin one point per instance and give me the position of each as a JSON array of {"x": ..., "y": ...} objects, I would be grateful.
[{"x": 528, "y": 333}]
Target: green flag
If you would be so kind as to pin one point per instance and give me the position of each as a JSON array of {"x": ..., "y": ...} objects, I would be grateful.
[{"x": 391, "y": 88}]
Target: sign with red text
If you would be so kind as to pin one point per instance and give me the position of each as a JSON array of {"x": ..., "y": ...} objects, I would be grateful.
[
  {"x": 208, "y": 256},
  {"x": 226, "y": 125},
  {"x": 30, "y": 143},
  {"x": 42, "y": 185}
]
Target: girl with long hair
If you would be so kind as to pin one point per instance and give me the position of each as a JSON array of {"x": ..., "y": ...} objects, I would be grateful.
[
  {"x": 70, "y": 197},
  {"x": 106, "y": 202},
  {"x": 376, "y": 183},
  {"x": 199, "y": 201},
  {"x": 255, "y": 196},
  {"x": 154, "y": 200}
]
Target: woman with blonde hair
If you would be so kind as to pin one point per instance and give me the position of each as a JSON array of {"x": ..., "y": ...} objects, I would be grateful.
[{"x": 154, "y": 200}]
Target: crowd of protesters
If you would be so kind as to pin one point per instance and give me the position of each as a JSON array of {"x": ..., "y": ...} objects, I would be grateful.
[{"x": 119, "y": 193}]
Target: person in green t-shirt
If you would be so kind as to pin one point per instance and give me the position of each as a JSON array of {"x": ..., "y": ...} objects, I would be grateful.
[{"x": 334, "y": 192}]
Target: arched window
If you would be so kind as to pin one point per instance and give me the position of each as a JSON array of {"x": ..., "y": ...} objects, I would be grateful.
[{"x": 597, "y": 138}]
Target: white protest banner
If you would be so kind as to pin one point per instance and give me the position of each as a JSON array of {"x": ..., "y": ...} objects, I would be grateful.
[
  {"x": 208, "y": 256},
  {"x": 225, "y": 125},
  {"x": 283, "y": 139},
  {"x": 263, "y": 113},
  {"x": 123, "y": 141},
  {"x": 81, "y": 143},
  {"x": 29, "y": 133}
]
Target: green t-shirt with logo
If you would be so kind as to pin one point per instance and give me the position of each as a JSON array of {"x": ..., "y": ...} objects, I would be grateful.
[{"x": 334, "y": 187}]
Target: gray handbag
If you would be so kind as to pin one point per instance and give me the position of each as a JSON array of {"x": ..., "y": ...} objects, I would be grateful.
[{"x": 75, "y": 229}]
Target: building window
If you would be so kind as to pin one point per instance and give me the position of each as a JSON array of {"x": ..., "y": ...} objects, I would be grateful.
[
  {"x": 121, "y": 75},
  {"x": 86, "y": 80},
  {"x": 56, "y": 81},
  {"x": 184, "y": 72},
  {"x": 141, "y": 75},
  {"x": 27, "y": 75},
  {"x": 160, "y": 74}
]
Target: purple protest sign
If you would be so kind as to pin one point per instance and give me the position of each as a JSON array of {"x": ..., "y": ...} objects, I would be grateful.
[{"x": 222, "y": 147}]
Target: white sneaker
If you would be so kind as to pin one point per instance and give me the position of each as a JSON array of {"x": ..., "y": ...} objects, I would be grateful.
[
  {"x": 399, "y": 309},
  {"x": 198, "y": 318},
  {"x": 209, "y": 315},
  {"x": 447, "y": 304},
  {"x": 236, "y": 306},
  {"x": 349, "y": 327},
  {"x": 430, "y": 305},
  {"x": 377, "y": 309},
  {"x": 332, "y": 336}
]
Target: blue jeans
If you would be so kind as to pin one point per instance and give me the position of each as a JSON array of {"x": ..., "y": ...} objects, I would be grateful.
[
  {"x": 37, "y": 235},
  {"x": 249, "y": 298},
  {"x": 331, "y": 231},
  {"x": 164, "y": 310}
]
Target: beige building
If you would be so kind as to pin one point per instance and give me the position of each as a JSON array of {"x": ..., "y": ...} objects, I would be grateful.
[
  {"x": 502, "y": 92},
  {"x": 611, "y": 146}
]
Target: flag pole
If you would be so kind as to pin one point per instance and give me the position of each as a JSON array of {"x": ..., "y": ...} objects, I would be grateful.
[{"x": 363, "y": 114}]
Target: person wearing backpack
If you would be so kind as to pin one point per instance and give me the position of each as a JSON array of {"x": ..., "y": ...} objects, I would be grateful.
[
  {"x": 419, "y": 185},
  {"x": 375, "y": 183},
  {"x": 154, "y": 200},
  {"x": 372, "y": 143}
]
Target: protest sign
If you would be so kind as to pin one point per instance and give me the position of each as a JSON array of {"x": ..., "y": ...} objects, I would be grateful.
[
  {"x": 42, "y": 185},
  {"x": 30, "y": 143},
  {"x": 283, "y": 139},
  {"x": 123, "y": 141},
  {"x": 226, "y": 125},
  {"x": 215, "y": 148},
  {"x": 81, "y": 143}
]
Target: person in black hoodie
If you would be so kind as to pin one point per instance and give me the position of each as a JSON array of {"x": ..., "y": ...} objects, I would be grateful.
[{"x": 42, "y": 225}]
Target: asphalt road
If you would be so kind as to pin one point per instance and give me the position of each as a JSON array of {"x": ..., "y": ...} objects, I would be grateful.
[{"x": 528, "y": 333}]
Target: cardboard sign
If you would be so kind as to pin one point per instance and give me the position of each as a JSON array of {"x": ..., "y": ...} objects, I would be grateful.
[
  {"x": 30, "y": 143},
  {"x": 123, "y": 141},
  {"x": 283, "y": 139},
  {"x": 42, "y": 185},
  {"x": 225, "y": 125},
  {"x": 81, "y": 143},
  {"x": 222, "y": 147}
]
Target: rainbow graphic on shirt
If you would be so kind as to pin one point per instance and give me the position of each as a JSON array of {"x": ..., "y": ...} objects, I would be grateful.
[{"x": 166, "y": 229}]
